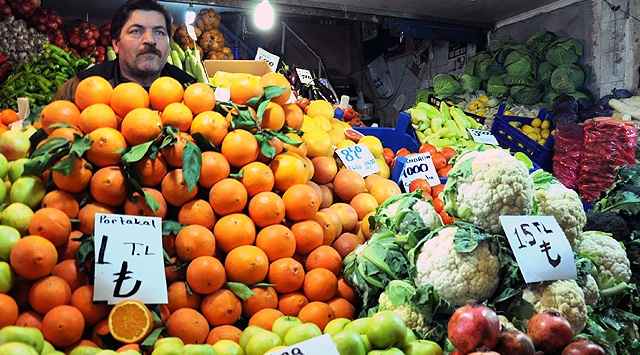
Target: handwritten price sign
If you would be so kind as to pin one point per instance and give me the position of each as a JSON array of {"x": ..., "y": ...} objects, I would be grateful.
[
  {"x": 541, "y": 248},
  {"x": 359, "y": 158},
  {"x": 271, "y": 59},
  {"x": 305, "y": 75},
  {"x": 419, "y": 166},
  {"x": 480, "y": 136},
  {"x": 322, "y": 345}
]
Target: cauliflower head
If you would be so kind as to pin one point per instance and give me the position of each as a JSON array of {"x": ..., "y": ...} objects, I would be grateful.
[
  {"x": 411, "y": 315},
  {"x": 457, "y": 276},
  {"x": 562, "y": 296},
  {"x": 484, "y": 185},
  {"x": 611, "y": 257},
  {"x": 590, "y": 290}
]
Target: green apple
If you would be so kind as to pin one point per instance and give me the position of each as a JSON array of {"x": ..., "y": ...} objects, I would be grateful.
[
  {"x": 47, "y": 348},
  {"x": 335, "y": 325},
  {"x": 197, "y": 349},
  {"x": 58, "y": 352},
  {"x": 14, "y": 144},
  {"x": 4, "y": 167},
  {"x": 422, "y": 347},
  {"x": 84, "y": 350},
  {"x": 282, "y": 324},
  {"x": 301, "y": 332},
  {"x": 9, "y": 236},
  {"x": 228, "y": 347},
  {"x": 167, "y": 349},
  {"x": 7, "y": 277},
  {"x": 29, "y": 190},
  {"x": 359, "y": 325},
  {"x": 167, "y": 340},
  {"x": 17, "y": 348},
  {"x": 247, "y": 333},
  {"x": 261, "y": 342},
  {"x": 386, "y": 329},
  {"x": 17, "y": 215},
  {"x": 348, "y": 342},
  {"x": 367, "y": 343},
  {"x": 16, "y": 167},
  {"x": 3, "y": 191},
  {"x": 128, "y": 352},
  {"x": 27, "y": 335},
  {"x": 411, "y": 336},
  {"x": 107, "y": 352}
]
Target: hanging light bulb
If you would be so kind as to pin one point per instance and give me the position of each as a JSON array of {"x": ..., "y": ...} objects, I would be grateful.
[
  {"x": 190, "y": 15},
  {"x": 264, "y": 16}
]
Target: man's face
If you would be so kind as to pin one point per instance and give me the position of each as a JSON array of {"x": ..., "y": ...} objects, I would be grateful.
[{"x": 143, "y": 46}]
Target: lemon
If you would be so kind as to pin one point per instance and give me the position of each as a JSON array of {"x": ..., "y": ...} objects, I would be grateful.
[
  {"x": 484, "y": 98},
  {"x": 481, "y": 113},
  {"x": 545, "y": 125},
  {"x": 337, "y": 136},
  {"x": 323, "y": 123},
  {"x": 533, "y": 136},
  {"x": 508, "y": 113},
  {"x": 345, "y": 143},
  {"x": 318, "y": 143},
  {"x": 480, "y": 106},
  {"x": 542, "y": 141},
  {"x": 514, "y": 124},
  {"x": 536, "y": 122},
  {"x": 472, "y": 107},
  {"x": 527, "y": 129},
  {"x": 545, "y": 133},
  {"x": 373, "y": 143},
  {"x": 308, "y": 123},
  {"x": 385, "y": 172}
]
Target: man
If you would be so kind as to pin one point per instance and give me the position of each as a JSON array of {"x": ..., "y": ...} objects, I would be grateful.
[{"x": 140, "y": 36}]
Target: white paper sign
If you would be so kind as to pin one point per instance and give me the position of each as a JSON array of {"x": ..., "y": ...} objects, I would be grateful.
[
  {"x": 541, "y": 248},
  {"x": 222, "y": 94},
  {"x": 129, "y": 259},
  {"x": 321, "y": 345},
  {"x": 480, "y": 136},
  {"x": 359, "y": 158},
  {"x": 270, "y": 58},
  {"x": 305, "y": 75},
  {"x": 419, "y": 166}
]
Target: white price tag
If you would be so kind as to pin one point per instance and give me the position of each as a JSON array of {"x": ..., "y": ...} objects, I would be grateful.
[
  {"x": 321, "y": 345},
  {"x": 480, "y": 136},
  {"x": 305, "y": 75},
  {"x": 222, "y": 94},
  {"x": 270, "y": 58},
  {"x": 541, "y": 248},
  {"x": 129, "y": 259},
  {"x": 359, "y": 158},
  {"x": 419, "y": 166}
]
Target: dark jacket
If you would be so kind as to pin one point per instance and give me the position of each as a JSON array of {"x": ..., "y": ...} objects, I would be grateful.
[{"x": 111, "y": 71}]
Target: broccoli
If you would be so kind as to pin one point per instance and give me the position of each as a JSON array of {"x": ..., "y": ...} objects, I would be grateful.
[{"x": 609, "y": 222}]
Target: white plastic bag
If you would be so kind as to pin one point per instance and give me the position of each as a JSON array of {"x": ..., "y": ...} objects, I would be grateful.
[{"x": 381, "y": 77}]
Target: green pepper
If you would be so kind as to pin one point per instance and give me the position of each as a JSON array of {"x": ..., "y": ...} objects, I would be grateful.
[{"x": 61, "y": 61}]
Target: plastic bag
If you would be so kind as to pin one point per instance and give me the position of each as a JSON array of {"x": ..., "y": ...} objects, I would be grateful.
[
  {"x": 567, "y": 150},
  {"x": 381, "y": 78}
]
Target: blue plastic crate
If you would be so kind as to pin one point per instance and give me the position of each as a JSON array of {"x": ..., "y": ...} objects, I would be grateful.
[{"x": 401, "y": 136}]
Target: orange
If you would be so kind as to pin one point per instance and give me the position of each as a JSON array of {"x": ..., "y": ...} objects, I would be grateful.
[
  {"x": 342, "y": 308},
  {"x": 92, "y": 90},
  {"x": 286, "y": 274},
  {"x": 174, "y": 271},
  {"x": 263, "y": 297},
  {"x": 228, "y": 196},
  {"x": 325, "y": 257},
  {"x": 130, "y": 321},
  {"x": 9, "y": 310},
  {"x": 58, "y": 113},
  {"x": 273, "y": 117},
  {"x": 150, "y": 170},
  {"x": 325, "y": 169},
  {"x": 214, "y": 168},
  {"x": 87, "y": 214},
  {"x": 69, "y": 271},
  {"x": 240, "y": 147},
  {"x": 346, "y": 243},
  {"x": 309, "y": 235},
  {"x": 287, "y": 171},
  {"x": 256, "y": 177},
  {"x": 318, "y": 313},
  {"x": 372, "y": 179},
  {"x": 52, "y": 224},
  {"x": 177, "y": 115},
  {"x": 293, "y": 116},
  {"x": 384, "y": 189},
  {"x": 364, "y": 203},
  {"x": 128, "y": 96},
  {"x": 193, "y": 241},
  {"x": 107, "y": 146},
  {"x": 189, "y": 325},
  {"x": 348, "y": 215},
  {"x": 327, "y": 195},
  {"x": 347, "y": 184},
  {"x": 199, "y": 97},
  {"x": 205, "y": 275},
  {"x": 264, "y": 318},
  {"x": 317, "y": 190},
  {"x": 318, "y": 143},
  {"x": 28, "y": 318},
  {"x": 8, "y": 116},
  {"x": 331, "y": 227},
  {"x": 346, "y": 291},
  {"x": 221, "y": 307},
  {"x": 137, "y": 205},
  {"x": 93, "y": 312},
  {"x": 365, "y": 226},
  {"x": 298, "y": 146},
  {"x": 277, "y": 241},
  {"x": 141, "y": 125},
  {"x": 245, "y": 88},
  {"x": 301, "y": 202},
  {"x": 222, "y": 332},
  {"x": 69, "y": 249},
  {"x": 49, "y": 292},
  {"x": 291, "y": 303},
  {"x": 234, "y": 230},
  {"x": 173, "y": 151},
  {"x": 175, "y": 190},
  {"x": 179, "y": 295},
  {"x": 164, "y": 91},
  {"x": 211, "y": 125},
  {"x": 266, "y": 208},
  {"x": 320, "y": 284},
  {"x": 277, "y": 79},
  {"x": 96, "y": 116},
  {"x": 197, "y": 211},
  {"x": 66, "y": 132},
  {"x": 278, "y": 147},
  {"x": 109, "y": 186},
  {"x": 62, "y": 201},
  {"x": 101, "y": 329},
  {"x": 63, "y": 326},
  {"x": 320, "y": 108},
  {"x": 33, "y": 257},
  {"x": 247, "y": 264}
]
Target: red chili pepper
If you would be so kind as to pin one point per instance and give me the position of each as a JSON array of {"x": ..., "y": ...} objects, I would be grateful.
[{"x": 3, "y": 59}]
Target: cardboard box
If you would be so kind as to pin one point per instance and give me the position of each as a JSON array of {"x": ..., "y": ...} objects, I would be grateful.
[{"x": 254, "y": 67}]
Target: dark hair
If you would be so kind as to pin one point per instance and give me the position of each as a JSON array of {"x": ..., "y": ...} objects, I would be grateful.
[{"x": 122, "y": 15}]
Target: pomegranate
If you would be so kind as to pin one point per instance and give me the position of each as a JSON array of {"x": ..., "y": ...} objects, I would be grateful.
[
  {"x": 549, "y": 331},
  {"x": 513, "y": 341},
  {"x": 485, "y": 351},
  {"x": 473, "y": 326},
  {"x": 583, "y": 347}
]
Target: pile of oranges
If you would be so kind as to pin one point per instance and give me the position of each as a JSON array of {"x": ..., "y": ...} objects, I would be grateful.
[{"x": 257, "y": 208}]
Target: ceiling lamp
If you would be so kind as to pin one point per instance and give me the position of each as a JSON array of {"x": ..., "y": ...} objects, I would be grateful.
[
  {"x": 190, "y": 15},
  {"x": 264, "y": 16}
]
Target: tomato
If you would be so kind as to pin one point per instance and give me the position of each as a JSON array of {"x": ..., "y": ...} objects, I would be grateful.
[
  {"x": 438, "y": 204},
  {"x": 420, "y": 183},
  {"x": 402, "y": 152},
  {"x": 388, "y": 155},
  {"x": 448, "y": 153},
  {"x": 444, "y": 172},
  {"x": 439, "y": 161},
  {"x": 446, "y": 219},
  {"x": 349, "y": 113},
  {"x": 428, "y": 148},
  {"x": 436, "y": 190},
  {"x": 303, "y": 103}
]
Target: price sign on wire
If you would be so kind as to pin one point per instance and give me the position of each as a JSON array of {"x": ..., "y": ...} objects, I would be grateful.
[
  {"x": 321, "y": 345},
  {"x": 480, "y": 136},
  {"x": 222, "y": 94},
  {"x": 541, "y": 248},
  {"x": 419, "y": 166},
  {"x": 129, "y": 259},
  {"x": 305, "y": 75},
  {"x": 271, "y": 59},
  {"x": 359, "y": 158}
]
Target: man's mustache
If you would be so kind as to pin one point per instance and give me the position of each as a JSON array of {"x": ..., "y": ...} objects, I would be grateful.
[{"x": 151, "y": 50}]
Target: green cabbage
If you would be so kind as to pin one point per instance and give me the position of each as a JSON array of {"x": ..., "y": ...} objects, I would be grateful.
[
  {"x": 502, "y": 42},
  {"x": 548, "y": 96},
  {"x": 519, "y": 63},
  {"x": 564, "y": 51},
  {"x": 496, "y": 86},
  {"x": 477, "y": 65},
  {"x": 469, "y": 83},
  {"x": 566, "y": 79},
  {"x": 445, "y": 85},
  {"x": 539, "y": 42},
  {"x": 543, "y": 72},
  {"x": 510, "y": 80},
  {"x": 525, "y": 95}
]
